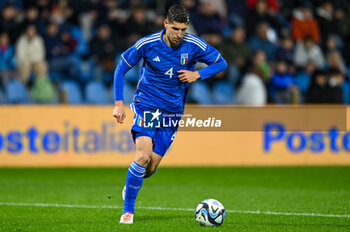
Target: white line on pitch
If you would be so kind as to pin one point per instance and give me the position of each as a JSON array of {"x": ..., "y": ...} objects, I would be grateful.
[{"x": 170, "y": 209}]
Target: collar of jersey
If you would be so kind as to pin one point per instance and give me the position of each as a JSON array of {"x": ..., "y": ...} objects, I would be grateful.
[{"x": 166, "y": 45}]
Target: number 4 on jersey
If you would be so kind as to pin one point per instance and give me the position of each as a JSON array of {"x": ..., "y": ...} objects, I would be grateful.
[{"x": 170, "y": 72}]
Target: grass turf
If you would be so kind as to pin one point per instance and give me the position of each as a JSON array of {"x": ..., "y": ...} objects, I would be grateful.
[{"x": 324, "y": 190}]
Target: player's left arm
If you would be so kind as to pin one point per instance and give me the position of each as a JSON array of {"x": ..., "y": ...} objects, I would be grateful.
[
  {"x": 128, "y": 59},
  {"x": 212, "y": 57}
]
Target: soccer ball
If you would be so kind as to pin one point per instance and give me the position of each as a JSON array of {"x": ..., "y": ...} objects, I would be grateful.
[{"x": 210, "y": 212}]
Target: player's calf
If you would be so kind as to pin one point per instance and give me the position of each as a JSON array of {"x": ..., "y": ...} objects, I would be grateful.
[
  {"x": 150, "y": 171},
  {"x": 153, "y": 165}
]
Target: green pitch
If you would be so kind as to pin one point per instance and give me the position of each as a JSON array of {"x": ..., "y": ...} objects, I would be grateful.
[{"x": 257, "y": 199}]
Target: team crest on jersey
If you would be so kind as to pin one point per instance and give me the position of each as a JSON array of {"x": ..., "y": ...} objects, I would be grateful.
[
  {"x": 184, "y": 58},
  {"x": 139, "y": 120}
]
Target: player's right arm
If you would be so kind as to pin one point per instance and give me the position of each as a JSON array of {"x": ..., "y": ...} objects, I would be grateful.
[{"x": 128, "y": 59}]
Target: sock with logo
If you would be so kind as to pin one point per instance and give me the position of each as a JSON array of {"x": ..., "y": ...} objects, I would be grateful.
[{"x": 134, "y": 179}]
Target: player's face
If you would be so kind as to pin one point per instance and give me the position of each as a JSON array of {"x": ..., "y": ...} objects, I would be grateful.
[{"x": 174, "y": 31}]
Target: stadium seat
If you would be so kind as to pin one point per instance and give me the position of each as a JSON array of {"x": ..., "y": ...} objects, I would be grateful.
[
  {"x": 96, "y": 93},
  {"x": 16, "y": 92},
  {"x": 200, "y": 93},
  {"x": 223, "y": 93},
  {"x": 346, "y": 92},
  {"x": 82, "y": 46},
  {"x": 85, "y": 69},
  {"x": 56, "y": 76},
  {"x": 303, "y": 81},
  {"x": 1, "y": 97},
  {"x": 72, "y": 92},
  {"x": 234, "y": 75}
]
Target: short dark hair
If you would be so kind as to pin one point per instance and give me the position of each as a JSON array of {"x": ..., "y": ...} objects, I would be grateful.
[{"x": 178, "y": 13}]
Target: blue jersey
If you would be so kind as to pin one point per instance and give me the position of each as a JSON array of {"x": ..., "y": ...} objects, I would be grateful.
[{"x": 159, "y": 86}]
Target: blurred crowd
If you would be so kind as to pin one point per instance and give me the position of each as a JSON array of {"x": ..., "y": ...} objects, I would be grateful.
[{"x": 278, "y": 51}]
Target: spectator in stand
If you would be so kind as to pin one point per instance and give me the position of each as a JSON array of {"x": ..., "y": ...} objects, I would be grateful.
[
  {"x": 16, "y": 3},
  {"x": 260, "y": 14},
  {"x": 332, "y": 52},
  {"x": 235, "y": 50},
  {"x": 190, "y": 5},
  {"x": 303, "y": 77},
  {"x": 206, "y": 19},
  {"x": 304, "y": 25},
  {"x": 282, "y": 86},
  {"x": 214, "y": 38},
  {"x": 335, "y": 82},
  {"x": 58, "y": 51},
  {"x": 237, "y": 53},
  {"x": 253, "y": 90},
  {"x": 286, "y": 50},
  {"x": 219, "y": 6},
  {"x": 308, "y": 51},
  {"x": 335, "y": 61},
  {"x": 41, "y": 5},
  {"x": 236, "y": 12},
  {"x": 109, "y": 12},
  {"x": 71, "y": 11},
  {"x": 331, "y": 45},
  {"x": 259, "y": 60},
  {"x": 68, "y": 42},
  {"x": 343, "y": 23},
  {"x": 31, "y": 17},
  {"x": 326, "y": 20},
  {"x": 52, "y": 40},
  {"x": 30, "y": 54},
  {"x": 273, "y": 5},
  {"x": 103, "y": 49},
  {"x": 88, "y": 20},
  {"x": 137, "y": 26},
  {"x": 7, "y": 61},
  {"x": 9, "y": 22},
  {"x": 58, "y": 15},
  {"x": 326, "y": 87},
  {"x": 44, "y": 7},
  {"x": 317, "y": 92},
  {"x": 260, "y": 41}
]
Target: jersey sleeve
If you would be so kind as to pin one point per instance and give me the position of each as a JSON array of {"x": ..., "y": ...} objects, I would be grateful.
[
  {"x": 212, "y": 57},
  {"x": 208, "y": 56},
  {"x": 132, "y": 56},
  {"x": 128, "y": 60}
]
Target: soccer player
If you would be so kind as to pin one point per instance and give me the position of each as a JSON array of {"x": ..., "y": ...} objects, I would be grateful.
[{"x": 168, "y": 57}]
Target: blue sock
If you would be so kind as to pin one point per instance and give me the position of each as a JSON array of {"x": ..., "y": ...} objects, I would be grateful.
[{"x": 134, "y": 180}]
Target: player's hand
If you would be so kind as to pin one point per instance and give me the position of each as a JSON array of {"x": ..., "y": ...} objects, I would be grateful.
[
  {"x": 188, "y": 76},
  {"x": 119, "y": 112}
]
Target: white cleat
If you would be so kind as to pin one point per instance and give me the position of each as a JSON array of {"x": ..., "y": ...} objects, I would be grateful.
[
  {"x": 127, "y": 218},
  {"x": 123, "y": 193}
]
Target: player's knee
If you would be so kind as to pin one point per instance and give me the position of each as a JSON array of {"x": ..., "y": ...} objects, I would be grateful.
[
  {"x": 143, "y": 150},
  {"x": 143, "y": 158}
]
